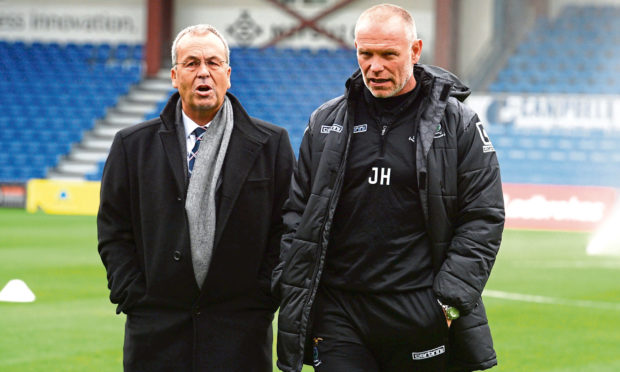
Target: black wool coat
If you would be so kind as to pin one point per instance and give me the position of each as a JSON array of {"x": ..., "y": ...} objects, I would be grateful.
[{"x": 144, "y": 244}]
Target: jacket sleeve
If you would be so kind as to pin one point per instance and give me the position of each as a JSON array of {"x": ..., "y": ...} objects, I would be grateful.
[
  {"x": 117, "y": 244},
  {"x": 285, "y": 162},
  {"x": 294, "y": 207},
  {"x": 479, "y": 219}
]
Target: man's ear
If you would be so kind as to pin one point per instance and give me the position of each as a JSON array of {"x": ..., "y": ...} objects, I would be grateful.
[
  {"x": 173, "y": 77},
  {"x": 416, "y": 51},
  {"x": 228, "y": 74}
]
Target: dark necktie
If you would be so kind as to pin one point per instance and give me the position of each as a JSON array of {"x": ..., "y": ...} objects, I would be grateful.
[{"x": 198, "y": 132}]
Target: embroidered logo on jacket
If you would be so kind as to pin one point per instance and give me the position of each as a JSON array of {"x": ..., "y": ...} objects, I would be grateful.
[
  {"x": 439, "y": 132},
  {"x": 334, "y": 127},
  {"x": 487, "y": 146},
  {"x": 428, "y": 353},
  {"x": 360, "y": 128}
]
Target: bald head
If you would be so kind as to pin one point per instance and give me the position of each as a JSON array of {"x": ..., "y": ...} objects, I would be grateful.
[
  {"x": 387, "y": 13},
  {"x": 387, "y": 49}
]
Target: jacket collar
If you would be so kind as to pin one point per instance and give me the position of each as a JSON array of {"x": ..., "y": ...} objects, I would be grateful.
[
  {"x": 243, "y": 123},
  {"x": 427, "y": 75},
  {"x": 437, "y": 85},
  {"x": 246, "y": 141}
]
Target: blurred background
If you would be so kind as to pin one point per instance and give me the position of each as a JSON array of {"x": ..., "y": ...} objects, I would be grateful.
[{"x": 545, "y": 76}]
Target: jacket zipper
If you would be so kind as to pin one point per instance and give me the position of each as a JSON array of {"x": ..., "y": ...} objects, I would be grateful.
[
  {"x": 315, "y": 286},
  {"x": 384, "y": 130}
]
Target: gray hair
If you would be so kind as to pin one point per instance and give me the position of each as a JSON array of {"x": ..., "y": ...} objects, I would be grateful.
[
  {"x": 391, "y": 9},
  {"x": 198, "y": 29}
]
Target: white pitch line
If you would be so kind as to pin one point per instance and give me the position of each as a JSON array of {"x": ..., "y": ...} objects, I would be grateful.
[
  {"x": 550, "y": 300},
  {"x": 612, "y": 265}
]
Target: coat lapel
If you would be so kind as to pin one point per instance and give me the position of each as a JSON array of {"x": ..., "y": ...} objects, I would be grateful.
[
  {"x": 171, "y": 147},
  {"x": 246, "y": 141}
]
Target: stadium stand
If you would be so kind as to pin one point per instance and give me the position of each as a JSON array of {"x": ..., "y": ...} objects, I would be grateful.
[
  {"x": 65, "y": 89},
  {"x": 576, "y": 53},
  {"x": 284, "y": 86},
  {"x": 51, "y": 94}
]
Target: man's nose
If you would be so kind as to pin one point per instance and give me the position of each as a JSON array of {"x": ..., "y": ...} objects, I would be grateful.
[
  {"x": 376, "y": 65},
  {"x": 203, "y": 70}
]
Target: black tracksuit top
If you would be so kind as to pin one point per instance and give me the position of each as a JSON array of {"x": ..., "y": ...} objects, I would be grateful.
[{"x": 379, "y": 241}]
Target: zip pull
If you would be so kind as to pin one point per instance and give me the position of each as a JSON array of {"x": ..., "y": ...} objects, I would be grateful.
[{"x": 384, "y": 129}]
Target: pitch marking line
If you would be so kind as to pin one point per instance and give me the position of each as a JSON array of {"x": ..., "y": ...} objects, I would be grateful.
[{"x": 550, "y": 300}]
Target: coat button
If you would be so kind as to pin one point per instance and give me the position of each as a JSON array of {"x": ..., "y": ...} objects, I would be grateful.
[
  {"x": 176, "y": 255},
  {"x": 179, "y": 199}
]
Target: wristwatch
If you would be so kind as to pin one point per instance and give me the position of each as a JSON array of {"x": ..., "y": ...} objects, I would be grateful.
[{"x": 451, "y": 312}]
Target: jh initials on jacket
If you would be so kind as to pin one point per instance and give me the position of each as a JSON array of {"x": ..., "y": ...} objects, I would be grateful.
[{"x": 380, "y": 175}]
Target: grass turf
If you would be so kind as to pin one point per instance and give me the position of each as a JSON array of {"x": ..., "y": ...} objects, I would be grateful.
[{"x": 572, "y": 326}]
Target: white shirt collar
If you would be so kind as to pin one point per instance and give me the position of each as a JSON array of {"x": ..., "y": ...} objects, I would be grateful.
[{"x": 190, "y": 125}]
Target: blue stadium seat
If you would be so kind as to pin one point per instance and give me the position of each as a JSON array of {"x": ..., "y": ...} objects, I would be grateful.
[{"x": 137, "y": 52}]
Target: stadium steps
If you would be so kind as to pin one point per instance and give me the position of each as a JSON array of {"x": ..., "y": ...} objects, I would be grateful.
[{"x": 131, "y": 109}]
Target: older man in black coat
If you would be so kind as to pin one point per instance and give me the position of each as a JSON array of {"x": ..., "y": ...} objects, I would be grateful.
[{"x": 190, "y": 222}]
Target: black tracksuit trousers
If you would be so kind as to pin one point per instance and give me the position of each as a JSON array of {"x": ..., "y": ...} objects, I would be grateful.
[{"x": 395, "y": 332}]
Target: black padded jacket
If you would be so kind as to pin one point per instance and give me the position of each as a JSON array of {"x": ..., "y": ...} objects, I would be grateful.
[{"x": 462, "y": 201}]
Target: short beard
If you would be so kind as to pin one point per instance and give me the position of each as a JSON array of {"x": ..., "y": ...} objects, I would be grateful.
[{"x": 394, "y": 92}]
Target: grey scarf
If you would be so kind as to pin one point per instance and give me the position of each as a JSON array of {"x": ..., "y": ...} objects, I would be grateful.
[{"x": 200, "y": 202}]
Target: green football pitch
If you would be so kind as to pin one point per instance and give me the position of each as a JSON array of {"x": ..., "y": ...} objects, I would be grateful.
[{"x": 551, "y": 306}]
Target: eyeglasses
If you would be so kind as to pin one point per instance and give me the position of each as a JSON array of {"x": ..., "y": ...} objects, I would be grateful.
[{"x": 212, "y": 64}]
